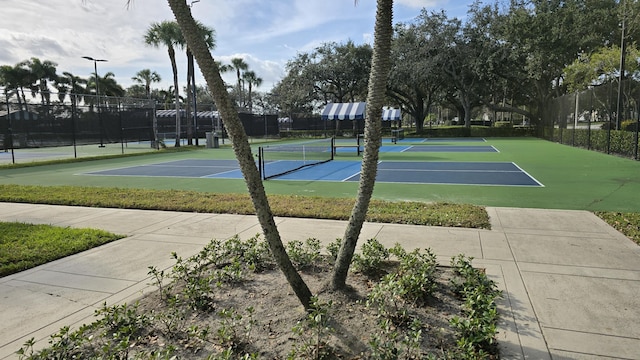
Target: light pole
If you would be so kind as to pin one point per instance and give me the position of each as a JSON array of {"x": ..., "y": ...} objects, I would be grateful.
[
  {"x": 193, "y": 92},
  {"x": 95, "y": 69}
]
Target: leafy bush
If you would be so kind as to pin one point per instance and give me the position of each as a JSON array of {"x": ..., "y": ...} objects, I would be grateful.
[
  {"x": 303, "y": 254},
  {"x": 478, "y": 327},
  {"x": 417, "y": 273},
  {"x": 629, "y": 125},
  {"x": 373, "y": 254},
  {"x": 503, "y": 124}
]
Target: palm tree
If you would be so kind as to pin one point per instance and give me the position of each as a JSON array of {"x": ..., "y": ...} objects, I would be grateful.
[
  {"x": 145, "y": 77},
  {"x": 72, "y": 85},
  {"x": 167, "y": 33},
  {"x": 107, "y": 85},
  {"x": 41, "y": 72},
  {"x": 380, "y": 67},
  {"x": 251, "y": 79},
  {"x": 239, "y": 65},
  {"x": 223, "y": 68},
  {"x": 208, "y": 34},
  {"x": 241, "y": 147},
  {"x": 15, "y": 78},
  {"x": 244, "y": 155}
]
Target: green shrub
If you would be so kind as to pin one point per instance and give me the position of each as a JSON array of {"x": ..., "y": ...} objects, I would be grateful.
[
  {"x": 477, "y": 328},
  {"x": 629, "y": 125},
  {"x": 370, "y": 260},
  {"x": 304, "y": 254},
  {"x": 503, "y": 124}
]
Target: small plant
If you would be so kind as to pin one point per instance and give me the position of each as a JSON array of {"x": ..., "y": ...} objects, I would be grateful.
[
  {"x": 256, "y": 255},
  {"x": 234, "y": 332},
  {"x": 388, "y": 298},
  {"x": 475, "y": 330},
  {"x": 174, "y": 319},
  {"x": 383, "y": 342},
  {"x": 192, "y": 273},
  {"x": 417, "y": 273},
  {"x": 389, "y": 343},
  {"x": 124, "y": 320},
  {"x": 311, "y": 333},
  {"x": 333, "y": 248},
  {"x": 304, "y": 255},
  {"x": 372, "y": 256},
  {"x": 231, "y": 273},
  {"x": 158, "y": 279}
]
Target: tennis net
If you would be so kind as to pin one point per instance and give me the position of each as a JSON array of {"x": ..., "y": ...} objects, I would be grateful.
[{"x": 277, "y": 160}]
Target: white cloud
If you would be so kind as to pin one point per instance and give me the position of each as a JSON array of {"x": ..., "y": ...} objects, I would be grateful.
[{"x": 266, "y": 33}]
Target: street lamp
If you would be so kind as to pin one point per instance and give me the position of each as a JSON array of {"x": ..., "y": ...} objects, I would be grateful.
[
  {"x": 95, "y": 68},
  {"x": 193, "y": 92}
]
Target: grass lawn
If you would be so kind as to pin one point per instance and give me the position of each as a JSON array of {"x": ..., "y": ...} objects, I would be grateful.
[{"x": 23, "y": 246}]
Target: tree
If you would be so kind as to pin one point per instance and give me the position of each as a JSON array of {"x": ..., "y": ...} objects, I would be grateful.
[
  {"x": 416, "y": 78},
  {"x": 340, "y": 71},
  {"x": 15, "y": 78},
  {"x": 146, "y": 77},
  {"x": 238, "y": 64},
  {"x": 601, "y": 67},
  {"x": 167, "y": 33},
  {"x": 208, "y": 34},
  {"x": 331, "y": 73},
  {"x": 251, "y": 79},
  {"x": 40, "y": 74},
  {"x": 241, "y": 147},
  {"x": 545, "y": 36},
  {"x": 295, "y": 92},
  {"x": 380, "y": 65},
  {"x": 107, "y": 85},
  {"x": 73, "y": 85},
  {"x": 244, "y": 155}
]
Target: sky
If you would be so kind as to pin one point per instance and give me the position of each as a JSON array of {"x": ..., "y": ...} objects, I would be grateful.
[{"x": 266, "y": 34}]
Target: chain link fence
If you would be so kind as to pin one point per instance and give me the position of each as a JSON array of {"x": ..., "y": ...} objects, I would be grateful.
[
  {"x": 35, "y": 128},
  {"x": 589, "y": 119}
]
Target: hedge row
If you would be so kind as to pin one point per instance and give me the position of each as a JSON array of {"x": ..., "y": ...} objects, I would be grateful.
[{"x": 623, "y": 143}]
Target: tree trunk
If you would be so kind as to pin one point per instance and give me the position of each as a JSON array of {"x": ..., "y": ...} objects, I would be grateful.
[
  {"x": 380, "y": 66},
  {"x": 241, "y": 148},
  {"x": 189, "y": 97},
  {"x": 176, "y": 92}
]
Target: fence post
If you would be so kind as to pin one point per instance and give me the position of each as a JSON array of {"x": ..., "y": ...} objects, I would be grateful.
[
  {"x": 637, "y": 129},
  {"x": 8, "y": 141}
]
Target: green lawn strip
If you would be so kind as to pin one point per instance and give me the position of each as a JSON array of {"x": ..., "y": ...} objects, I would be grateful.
[
  {"x": 404, "y": 212},
  {"x": 23, "y": 246},
  {"x": 626, "y": 223}
]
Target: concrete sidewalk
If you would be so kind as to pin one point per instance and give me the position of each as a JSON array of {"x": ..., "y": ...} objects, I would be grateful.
[{"x": 571, "y": 283}]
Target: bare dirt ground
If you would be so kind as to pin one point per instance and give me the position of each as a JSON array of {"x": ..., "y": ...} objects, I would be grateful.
[
  {"x": 231, "y": 302},
  {"x": 268, "y": 332}
]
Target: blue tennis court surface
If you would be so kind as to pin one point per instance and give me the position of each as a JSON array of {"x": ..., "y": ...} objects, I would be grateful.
[
  {"x": 433, "y": 140},
  {"x": 421, "y": 148},
  {"x": 416, "y": 172},
  {"x": 439, "y": 148}
]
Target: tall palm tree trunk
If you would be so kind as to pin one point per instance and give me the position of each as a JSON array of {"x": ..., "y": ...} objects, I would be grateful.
[
  {"x": 380, "y": 65},
  {"x": 176, "y": 92},
  {"x": 189, "y": 97},
  {"x": 241, "y": 148}
]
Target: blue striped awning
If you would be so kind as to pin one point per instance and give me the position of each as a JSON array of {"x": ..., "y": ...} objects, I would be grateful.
[
  {"x": 344, "y": 111},
  {"x": 390, "y": 114}
]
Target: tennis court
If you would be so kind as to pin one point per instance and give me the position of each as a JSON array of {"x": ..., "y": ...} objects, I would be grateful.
[
  {"x": 534, "y": 173},
  {"x": 431, "y": 145},
  {"x": 440, "y": 172}
]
